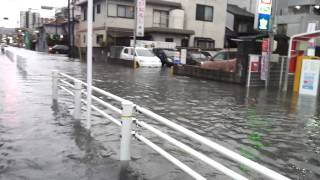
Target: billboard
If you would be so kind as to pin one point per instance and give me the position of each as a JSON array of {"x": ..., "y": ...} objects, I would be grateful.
[{"x": 263, "y": 15}]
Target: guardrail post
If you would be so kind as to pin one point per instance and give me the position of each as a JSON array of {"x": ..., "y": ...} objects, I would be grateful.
[
  {"x": 77, "y": 99},
  {"x": 55, "y": 85},
  {"x": 126, "y": 120}
]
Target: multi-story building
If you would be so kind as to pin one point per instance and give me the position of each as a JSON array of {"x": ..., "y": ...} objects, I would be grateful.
[
  {"x": 195, "y": 23},
  {"x": 295, "y": 15},
  {"x": 29, "y": 20}
]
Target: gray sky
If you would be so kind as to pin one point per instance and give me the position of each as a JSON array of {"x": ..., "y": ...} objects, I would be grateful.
[{"x": 12, "y": 8}]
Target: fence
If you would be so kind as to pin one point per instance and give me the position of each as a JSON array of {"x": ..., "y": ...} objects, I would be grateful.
[
  {"x": 127, "y": 111},
  {"x": 275, "y": 73}
]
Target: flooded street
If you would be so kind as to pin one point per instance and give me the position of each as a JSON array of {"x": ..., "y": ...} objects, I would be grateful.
[{"x": 40, "y": 141}]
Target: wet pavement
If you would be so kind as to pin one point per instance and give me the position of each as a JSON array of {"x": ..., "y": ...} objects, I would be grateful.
[{"x": 41, "y": 141}]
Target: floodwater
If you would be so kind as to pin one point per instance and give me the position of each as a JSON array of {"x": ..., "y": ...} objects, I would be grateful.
[{"x": 39, "y": 140}]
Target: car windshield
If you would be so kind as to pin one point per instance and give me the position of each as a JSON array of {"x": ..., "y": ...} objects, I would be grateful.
[
  {"x": 225, "y": 55},
  {"x": 60, "y": 47},
  {"x": 169, "y": 53},
  {"x": 198, "y": 56},
  {"x": 144, "y": 52}
]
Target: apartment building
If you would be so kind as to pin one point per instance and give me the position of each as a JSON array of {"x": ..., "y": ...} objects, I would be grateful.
[
  {"x": 295, "y": 15},
  {"x": 29, "y": 19},
  {"x": 193, "y": 23}
]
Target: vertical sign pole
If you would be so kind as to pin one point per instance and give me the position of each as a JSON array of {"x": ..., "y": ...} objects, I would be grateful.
[
  {"x": 135, "y": 32},
  {"x": 271, "y": 40},
  {"x": 89, "y": 61}
]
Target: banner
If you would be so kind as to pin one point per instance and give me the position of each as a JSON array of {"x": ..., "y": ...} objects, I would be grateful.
[{"x": 141, "y": 7}]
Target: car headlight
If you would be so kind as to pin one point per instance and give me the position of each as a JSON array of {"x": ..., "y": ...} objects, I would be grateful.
[{"x": 169, "y": 59}]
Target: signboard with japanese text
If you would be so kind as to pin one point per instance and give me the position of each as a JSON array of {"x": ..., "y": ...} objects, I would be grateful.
[
  {"x": 264, "y": 59},
  {"x": 254, "y": 63},
  {"x": 141, "y": 7},
  {"x": 309, "y": 80},
  {"x": 183, "y": 56},
  {"x": 263, "y": 14}
]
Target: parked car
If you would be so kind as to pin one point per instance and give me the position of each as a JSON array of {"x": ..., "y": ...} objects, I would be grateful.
[
  {"x": 144, "y": 56},
  {"x": 222, "y": 61},
  {"x": 59, "y": 49},
  {"x": 210, "y": 54},
  {"x": 196, "y": 57},
  {"x": 166, "y": 55}
]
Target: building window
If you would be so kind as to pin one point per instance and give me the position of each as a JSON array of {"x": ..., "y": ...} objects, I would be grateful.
[
  {"x": 204, "y": 13},
  {"x": 169, "y": 39},
  {"x": 205, "y": 43},
  {"x": 98, "y": 8},
  {"x": 125, "y": 11},
  {"x": 160, "y": 18},
  {"x": 84, "y": 18},
  {"x": 99, "y": 38},
  {"x": 84, "y": 38},
  {"x": 242, "y": 28}
]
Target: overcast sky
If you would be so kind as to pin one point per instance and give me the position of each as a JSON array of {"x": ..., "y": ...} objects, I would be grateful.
[{"x": 12, "y": 8}]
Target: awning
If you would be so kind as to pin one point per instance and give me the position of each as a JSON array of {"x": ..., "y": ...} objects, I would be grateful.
[
  {"x": 203, "y": 39},
  {"x": 169, "y": 31},
  {"x": 119, "y": 32}
]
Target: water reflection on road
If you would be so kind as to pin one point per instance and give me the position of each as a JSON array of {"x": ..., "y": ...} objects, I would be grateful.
[{"x": 277, "y": 130}]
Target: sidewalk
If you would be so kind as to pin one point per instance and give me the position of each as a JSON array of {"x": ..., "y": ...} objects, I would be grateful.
[{"x": 39, "y": 143}]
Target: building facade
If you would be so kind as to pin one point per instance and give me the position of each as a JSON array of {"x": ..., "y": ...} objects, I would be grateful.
[
  {"x": 29, "y": 20},
  {"x": 294, "y": 16},
  {"x": 193, "y": 23}
]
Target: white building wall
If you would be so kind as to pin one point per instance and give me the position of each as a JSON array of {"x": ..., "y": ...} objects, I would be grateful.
[{"x": 215, "y": 29}]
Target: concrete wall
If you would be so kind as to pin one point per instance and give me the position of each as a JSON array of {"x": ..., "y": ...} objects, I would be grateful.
[{"x": 298, "y": 23}]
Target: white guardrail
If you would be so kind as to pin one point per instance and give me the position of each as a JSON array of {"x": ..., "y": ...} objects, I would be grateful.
[{"x": 77, "y": 88}]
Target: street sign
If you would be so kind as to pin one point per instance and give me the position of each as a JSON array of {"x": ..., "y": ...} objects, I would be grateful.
[
  {"x": 141, "y": 7},
  {"x": 254, "y": 63},
  {"x": 309, "y": 81},
  {"x": 263, "y": 15},
  {"x": 264, "y": 59}
]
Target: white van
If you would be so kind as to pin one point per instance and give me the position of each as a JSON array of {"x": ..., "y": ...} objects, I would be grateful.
[{"x": 144, "y": 57}]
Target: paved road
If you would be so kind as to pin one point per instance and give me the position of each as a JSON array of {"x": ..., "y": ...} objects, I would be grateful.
[{"x": 38, "y": 141}]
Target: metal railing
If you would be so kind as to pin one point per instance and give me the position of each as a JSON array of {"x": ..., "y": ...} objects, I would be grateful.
[{"x": 76, "y": 88}]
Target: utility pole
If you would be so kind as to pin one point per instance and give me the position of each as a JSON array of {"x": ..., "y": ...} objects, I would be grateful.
[
  {"x": 272, "y": 32},
  {"x": 89, "y": 61},
  {"x": 135, "y": 32},
  {"x": 69, "y": 30},
  {"x": 72, "y": 39}
]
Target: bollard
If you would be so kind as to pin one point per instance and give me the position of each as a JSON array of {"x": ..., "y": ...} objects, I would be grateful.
[
  {"x": 77, "y": 99},
  {"x": 126, "y": 120},
  {"x": 55, "y": 85}
]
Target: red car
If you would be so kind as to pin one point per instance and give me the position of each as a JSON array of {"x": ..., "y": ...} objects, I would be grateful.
[{"x": 223, "y": 61}]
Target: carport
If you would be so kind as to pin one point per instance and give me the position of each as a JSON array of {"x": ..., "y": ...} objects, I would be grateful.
[{"x": 293, "y": 52}]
